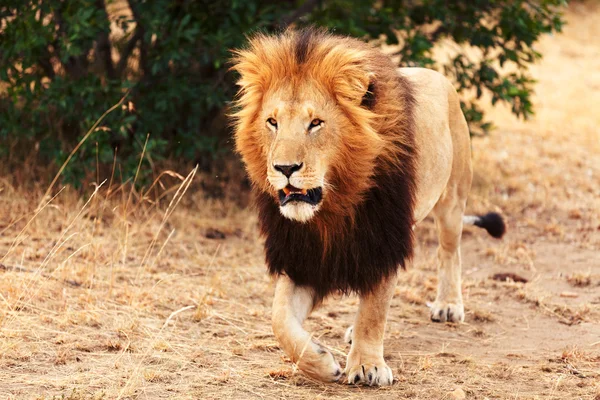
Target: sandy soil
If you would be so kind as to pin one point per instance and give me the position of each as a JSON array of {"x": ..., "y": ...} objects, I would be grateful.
[{"x": 121, "y": 297}]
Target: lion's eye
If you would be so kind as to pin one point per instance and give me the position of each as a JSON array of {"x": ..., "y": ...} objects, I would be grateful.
[
  {"x": 314, "y": 123},
  {"x": 272, "y": 122}
]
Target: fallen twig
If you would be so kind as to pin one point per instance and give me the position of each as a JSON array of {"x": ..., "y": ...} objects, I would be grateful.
[
  {"x": 509, "y": 276},
  {"x": 48, "y": 276}
]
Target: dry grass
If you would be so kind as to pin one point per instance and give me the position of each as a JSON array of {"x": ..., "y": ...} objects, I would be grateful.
[{"x": 118, "y": 295}]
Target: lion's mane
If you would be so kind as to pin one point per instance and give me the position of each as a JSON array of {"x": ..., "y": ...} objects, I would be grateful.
[{"x": 363, "y": 231}]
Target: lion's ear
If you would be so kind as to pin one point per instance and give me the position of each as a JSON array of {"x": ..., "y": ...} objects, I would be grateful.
[
  {"x": 368, "y": 99},
  {"x": 349, "y": 74},
  {"x": 352, "y": 85}
]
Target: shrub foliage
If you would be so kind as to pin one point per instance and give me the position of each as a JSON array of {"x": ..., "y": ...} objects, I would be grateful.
[{"x": 65, "y": 62}]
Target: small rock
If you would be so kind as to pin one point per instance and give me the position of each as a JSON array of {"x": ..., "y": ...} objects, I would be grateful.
[
  {"x": 212, "y": 233},
  {"x": 458, "y": 394}
]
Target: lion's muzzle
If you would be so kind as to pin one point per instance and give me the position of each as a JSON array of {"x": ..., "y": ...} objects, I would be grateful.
[{"x": 291, "y": 194}]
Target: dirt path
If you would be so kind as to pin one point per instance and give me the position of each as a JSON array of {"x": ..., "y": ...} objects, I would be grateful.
[{"x": 166, "y": 312}]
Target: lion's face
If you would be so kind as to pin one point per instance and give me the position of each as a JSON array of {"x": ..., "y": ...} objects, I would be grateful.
[
  {"x": 302, "y": 134},
  {"x": 302, "y": 128}
]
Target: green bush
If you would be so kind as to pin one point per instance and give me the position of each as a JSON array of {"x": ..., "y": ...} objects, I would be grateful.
[{"x": 65, "y": 62}]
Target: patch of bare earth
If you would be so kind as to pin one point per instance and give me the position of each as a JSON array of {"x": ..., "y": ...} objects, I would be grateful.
[{"x": 120, "y": 297}]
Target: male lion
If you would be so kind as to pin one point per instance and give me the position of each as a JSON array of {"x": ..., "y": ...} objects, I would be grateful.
[{"x": 346, "y": 154}]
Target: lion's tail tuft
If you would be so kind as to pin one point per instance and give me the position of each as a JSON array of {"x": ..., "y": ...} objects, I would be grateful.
[{"x": 492, "y": 222}]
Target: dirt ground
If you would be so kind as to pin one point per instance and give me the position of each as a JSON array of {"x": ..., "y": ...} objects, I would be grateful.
[{"x": 114, "y": 296}]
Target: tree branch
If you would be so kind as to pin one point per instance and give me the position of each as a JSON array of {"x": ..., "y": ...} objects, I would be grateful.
[
  {"x": 138, "y": 35},
  {"x": 126, "y": 52},
  {"x": 103, "y": 47}
]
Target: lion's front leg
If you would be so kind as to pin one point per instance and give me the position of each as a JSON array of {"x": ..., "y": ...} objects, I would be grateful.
[
  {"x": 291, "y": 306},
  {"x": 365, "y": 362}
]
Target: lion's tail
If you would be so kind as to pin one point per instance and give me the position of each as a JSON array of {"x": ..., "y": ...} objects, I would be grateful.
[{"x": 491, "y": 222}]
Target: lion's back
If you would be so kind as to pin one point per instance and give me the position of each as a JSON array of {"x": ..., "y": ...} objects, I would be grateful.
[
  {"x": 432, "y": 91},
  {"x": 436, "y": 111}
]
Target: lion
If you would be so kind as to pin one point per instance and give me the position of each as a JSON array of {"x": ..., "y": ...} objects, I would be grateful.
[{"x": 346, "y": 155}]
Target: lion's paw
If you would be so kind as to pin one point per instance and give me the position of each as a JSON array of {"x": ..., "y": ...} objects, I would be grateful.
[
  {"x": 321, "y": 365},
  {"x": 370, "y": 374},
  {"x": 447, "y": 312}
]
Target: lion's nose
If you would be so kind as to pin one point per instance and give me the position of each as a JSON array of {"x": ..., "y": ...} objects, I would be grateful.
[{"x": 288, "y": 170}]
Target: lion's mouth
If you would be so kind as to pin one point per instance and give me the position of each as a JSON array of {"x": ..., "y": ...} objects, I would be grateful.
[{"x": 290, "y": 194}]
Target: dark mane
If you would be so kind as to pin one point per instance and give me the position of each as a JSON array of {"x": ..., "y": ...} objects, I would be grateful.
[{"x": 362, "y": 250}]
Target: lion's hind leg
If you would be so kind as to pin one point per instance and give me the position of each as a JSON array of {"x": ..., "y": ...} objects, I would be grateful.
[{"x": 448, "y": 213}]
